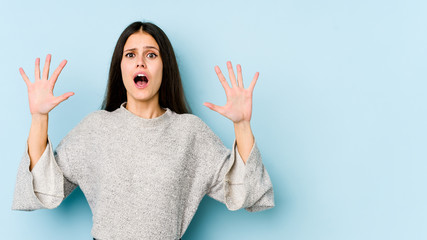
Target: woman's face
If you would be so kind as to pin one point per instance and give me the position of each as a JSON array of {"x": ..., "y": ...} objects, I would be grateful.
[{"x": 142, "y": 68}]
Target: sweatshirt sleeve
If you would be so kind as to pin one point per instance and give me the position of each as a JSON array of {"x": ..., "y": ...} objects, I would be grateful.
[
  {"x": 232, "y": 182},
  {"x": 45, "y": 186}
]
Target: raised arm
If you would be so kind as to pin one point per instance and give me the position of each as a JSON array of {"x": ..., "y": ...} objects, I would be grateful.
[
  {"x": 237, "y": 184},
  {"x": 238, "y": 107},
  {"x": 41, "y": 102}
]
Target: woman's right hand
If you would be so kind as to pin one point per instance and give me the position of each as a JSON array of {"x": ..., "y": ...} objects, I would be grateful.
[{"x": 40, "y": 92}]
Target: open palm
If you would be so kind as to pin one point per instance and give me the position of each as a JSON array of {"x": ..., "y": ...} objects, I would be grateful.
[
  {"x": 40, "y": 92},
  {"x": 239, "y": 100}
]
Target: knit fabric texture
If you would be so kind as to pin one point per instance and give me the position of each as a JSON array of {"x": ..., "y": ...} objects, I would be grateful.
[{"x": 143, "y": 178}]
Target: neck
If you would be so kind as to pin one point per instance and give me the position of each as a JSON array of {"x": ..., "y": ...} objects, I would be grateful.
[{"x": 147, "y": 110}]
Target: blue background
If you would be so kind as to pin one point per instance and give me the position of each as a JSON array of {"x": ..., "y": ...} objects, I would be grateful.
[{"x": 340, "y": 109}]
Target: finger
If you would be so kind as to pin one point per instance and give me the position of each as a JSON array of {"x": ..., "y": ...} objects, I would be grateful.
[
  {"x": 254, "y": 80},
  {"x": 214, "y": 107},
  {"x": 37, "y": 69},
  {"x": 46, "y": 67},
  {"x": 63, "y": 97},
  {"x": 239, "y": 76},
  {"x": 222, "y": 79},
  {"x": 231, "y": 74},
  {"x": 57, "y": 71},
  {"x": 24, "y": 76}
]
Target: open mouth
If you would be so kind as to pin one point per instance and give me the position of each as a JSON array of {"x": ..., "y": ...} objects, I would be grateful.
[{"x": 141, "y": 81}]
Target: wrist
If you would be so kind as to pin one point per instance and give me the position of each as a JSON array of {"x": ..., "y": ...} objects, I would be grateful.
[
  {"x": 242, "y": 125},
  {"x": 244, "y": 139},
  {"x": 39, "y": 117},
  {"x": 243, "y": 130}
]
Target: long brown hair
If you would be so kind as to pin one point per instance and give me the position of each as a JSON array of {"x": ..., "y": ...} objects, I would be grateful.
[{"x": 171, "y": 92}]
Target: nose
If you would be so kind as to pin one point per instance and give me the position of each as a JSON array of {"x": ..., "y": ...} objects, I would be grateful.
[{"x": 141, "y": 63}]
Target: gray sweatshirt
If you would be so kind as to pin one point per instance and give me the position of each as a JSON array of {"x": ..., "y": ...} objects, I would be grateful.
[{"x": 143, "y": 178}]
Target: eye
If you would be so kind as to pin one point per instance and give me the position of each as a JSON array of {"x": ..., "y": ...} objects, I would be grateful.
[
  {"x": 130, "y": 55},
  {"x": 151, "y": 55}
]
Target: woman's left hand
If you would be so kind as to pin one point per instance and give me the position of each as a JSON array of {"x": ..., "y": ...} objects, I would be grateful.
[{"x": 239, "y": 100}]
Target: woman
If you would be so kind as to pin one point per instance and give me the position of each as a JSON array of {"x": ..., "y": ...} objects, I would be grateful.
[{"x": 143, "y": 163}]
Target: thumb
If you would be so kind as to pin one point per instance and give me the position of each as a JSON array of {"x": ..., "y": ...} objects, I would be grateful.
[
  {"x": 63, "y": 97},
  {"x": 214, "y": 107}
]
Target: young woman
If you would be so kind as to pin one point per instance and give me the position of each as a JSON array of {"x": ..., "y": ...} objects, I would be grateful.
[{"x": 143, "y": 162}]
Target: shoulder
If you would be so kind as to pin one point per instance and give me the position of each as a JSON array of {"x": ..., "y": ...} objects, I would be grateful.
[
  {"x": 194, "y": 126},
  {"x": 95, "y": 118},
  {"x": 87, "y": 128},
  {"x": 92, "y": 122},
  {"x": 203, "y": 141},
  {"x": 190, "y": 121}
]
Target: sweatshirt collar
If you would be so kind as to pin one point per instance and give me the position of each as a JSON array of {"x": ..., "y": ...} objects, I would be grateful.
[{"x": 153, "y": 122}]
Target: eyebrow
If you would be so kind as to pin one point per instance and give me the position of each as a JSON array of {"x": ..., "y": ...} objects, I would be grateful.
[{"x": 149, "y": 47}]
